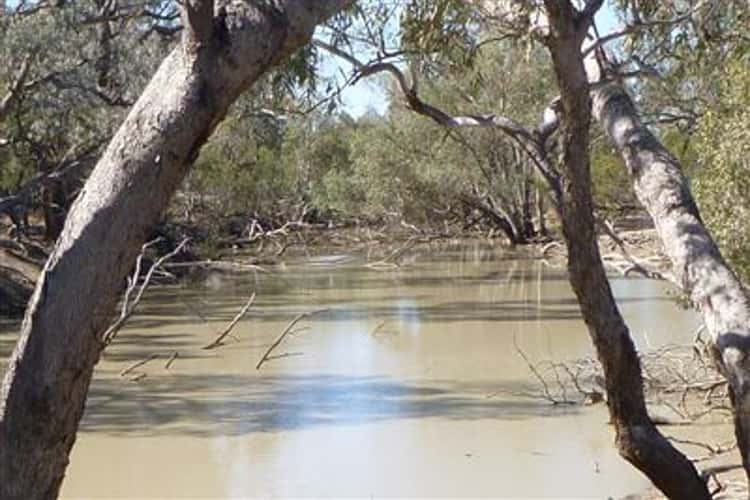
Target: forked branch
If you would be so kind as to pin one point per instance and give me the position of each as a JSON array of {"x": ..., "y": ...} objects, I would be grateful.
[
  {"x": 219, "y": 340},
  {"x": 129, "y": 306}
]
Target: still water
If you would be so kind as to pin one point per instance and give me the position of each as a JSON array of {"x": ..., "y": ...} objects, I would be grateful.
[{"x": 408, "y": 385}]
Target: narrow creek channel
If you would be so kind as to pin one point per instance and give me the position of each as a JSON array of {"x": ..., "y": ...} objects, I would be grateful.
[{"x": 408, "y": 385}]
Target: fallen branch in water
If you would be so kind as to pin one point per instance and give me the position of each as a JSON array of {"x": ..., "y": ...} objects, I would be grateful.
[
  {"x": 712, "y": 449},
  {"x": 391, "y": 261},
  {"x": 220, "y": 265},
  {"x": 376, "y": 330},
  {"x": 138, "y": 364},
  {"x": 137, "y": 377},
  {"x": 171, "y": 360},
  {"x": 128, "y": 306},
  {"x": 284, "y": 334},
  {"x": 220, "y": 338},
  {"x": 546, "y": 392}
]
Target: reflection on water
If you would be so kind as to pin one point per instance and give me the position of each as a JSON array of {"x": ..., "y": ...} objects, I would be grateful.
[{"x": 407, "y": 385}]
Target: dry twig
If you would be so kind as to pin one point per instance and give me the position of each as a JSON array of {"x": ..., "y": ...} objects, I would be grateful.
[
  {"x": 219, "y": 340},
  {"x": 129, "y": 306},
  {"x": 171, "y": 360},
  {"x": 283, "y": 335},
  {"x": 138, "y": 364}
]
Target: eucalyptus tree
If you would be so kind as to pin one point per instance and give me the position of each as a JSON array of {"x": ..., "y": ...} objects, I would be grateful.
[
  {"x": 228, "y": 46},
  {"x": 224, "y": 48},
  {"x": 72, "y": 70},
  {"x": 589, "y": 78}
]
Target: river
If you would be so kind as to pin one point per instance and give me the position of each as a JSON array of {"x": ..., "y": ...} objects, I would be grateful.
[{"x": 409, "y": 384}]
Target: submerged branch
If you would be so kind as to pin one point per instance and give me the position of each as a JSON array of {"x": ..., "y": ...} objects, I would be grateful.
[
  {"x": 219, "y": 340},
  {"x": 283, "y": 335}
]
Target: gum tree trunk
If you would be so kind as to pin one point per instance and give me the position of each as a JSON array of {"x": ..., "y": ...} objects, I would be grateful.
[
  {"x": 697, "y": 263},
  {"x": 225, "y": 48},
  {"x": 637, "y": 438}
]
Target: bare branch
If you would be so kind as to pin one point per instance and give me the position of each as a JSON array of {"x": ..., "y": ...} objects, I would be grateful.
[
  {"x": 68, "y": 166},
  {"x": 137, "y": 364},
  {"x": 128, "y": 306},
  {"x": 198, "y": 19},
  {"x": 219, "y": 340},
  {"x": 640, "y": 26},
  {"x": 171, "y": 360},
  {"x": 284, "y": 334},
  {"x": 532, "y": 142}
]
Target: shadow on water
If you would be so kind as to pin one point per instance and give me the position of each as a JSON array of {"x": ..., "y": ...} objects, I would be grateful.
[
  {"x": 208, "y": 405},
  {"x": 369, "y": 308}
]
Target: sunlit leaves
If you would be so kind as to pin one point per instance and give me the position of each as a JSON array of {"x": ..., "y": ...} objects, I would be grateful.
[{"x": 723, "y": 179}]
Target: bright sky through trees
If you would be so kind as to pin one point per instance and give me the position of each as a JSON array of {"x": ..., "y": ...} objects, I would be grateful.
[{"x": 368, "y": 95}]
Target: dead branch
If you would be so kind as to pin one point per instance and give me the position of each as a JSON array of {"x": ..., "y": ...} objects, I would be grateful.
[
  {"x": 392, "y": 260},
  {"x": 171, "y": 360},
  {"x": 138, "y": 364},
  {"x": 283, "y": 335},
  {"x": 546, "y": 392},
  {"x": 128, "y": 306},
  {"x": 633, "y": 264},
  {"x": 219, "y": 340},
  {"x": 218, "y": 264},
  {"x": 713, "y": 449},
  {"x": 675, "y": 376},
  {"x": 549, "y": 246},
  {"x": 377, "y": 329}
]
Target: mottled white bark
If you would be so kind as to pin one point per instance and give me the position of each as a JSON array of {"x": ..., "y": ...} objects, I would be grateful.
[
  {"x": 697, "y": 263},
  {"x": 44, "y": 390},
  {"x": 638, "y": 440}
]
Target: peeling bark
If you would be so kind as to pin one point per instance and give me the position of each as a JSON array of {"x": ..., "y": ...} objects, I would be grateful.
[{"x": 44, "y": 390}]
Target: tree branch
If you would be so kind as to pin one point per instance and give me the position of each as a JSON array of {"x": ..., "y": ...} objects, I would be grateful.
[
  {"x": 7, "y": 102},
  {"x": 532, "y": 142},
  {"x": 219, "y": 340},
  {"x": 198, "y": 21},
  {"x": 128, "y": 306}
]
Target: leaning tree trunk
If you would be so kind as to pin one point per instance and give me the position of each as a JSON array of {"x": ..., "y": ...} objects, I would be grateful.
[
  {"x": 225, "y": 48},
  {"x": 637, "y": 438},
  {"x": 696, "y": 261}
]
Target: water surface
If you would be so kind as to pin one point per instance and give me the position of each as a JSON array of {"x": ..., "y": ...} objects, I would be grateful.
[{"x": 408, "y": 385}]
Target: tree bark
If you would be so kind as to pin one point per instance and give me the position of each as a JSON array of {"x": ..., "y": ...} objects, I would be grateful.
[
  {"x": 697, "y": 263},
  {"x": 44, "y": 390},
  {"x": 637, "y": 438}
]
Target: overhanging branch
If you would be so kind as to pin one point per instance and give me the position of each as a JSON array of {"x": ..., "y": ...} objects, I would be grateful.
[{"x": 532, "y": 142}]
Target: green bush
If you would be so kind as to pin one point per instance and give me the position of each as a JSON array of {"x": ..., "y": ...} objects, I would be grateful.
[{"x": 722, "y": 181}]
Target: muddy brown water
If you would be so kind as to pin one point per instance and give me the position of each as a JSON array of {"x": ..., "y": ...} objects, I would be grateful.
[{"x": 408, "y": 385}]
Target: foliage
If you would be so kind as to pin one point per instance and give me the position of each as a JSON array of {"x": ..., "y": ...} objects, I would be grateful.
[
  {"x": 722, "y": 182},
  {"x": 400, "y": 167},
  {"x": 610, "y": 180}
]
